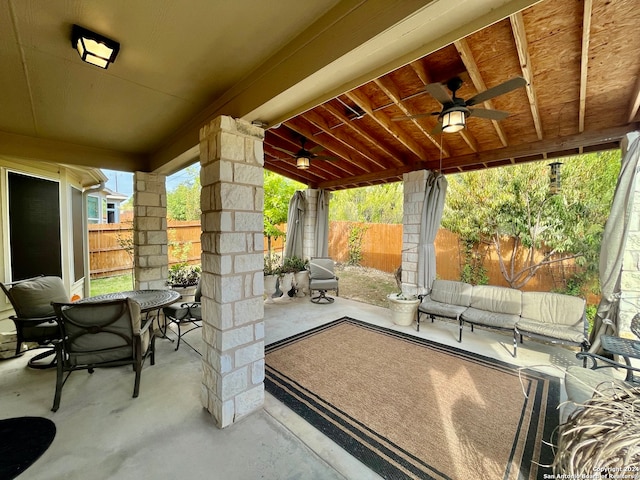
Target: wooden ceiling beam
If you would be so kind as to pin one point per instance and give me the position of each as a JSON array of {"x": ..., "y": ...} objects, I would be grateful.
[
  {"x": 377, "y": 177},
  {"x": 272, "y": 158},
  {"x": 542, "y": 147},
  {"x": 346, "y": 167},
  {"x": 350, "y": 143},
  {"x": 394, "y": 130},
  {"x": 584, "y": 63},
  {"x": 635, "y": 102},
  {"x": 474, "y": 73},
  {"x": 358, "y": 131},
  {"x": 391, "y": 90},
  {"x": 520, "y": 37}
]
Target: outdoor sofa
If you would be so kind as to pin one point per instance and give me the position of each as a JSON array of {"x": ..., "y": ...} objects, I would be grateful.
[{"x": 552, "y": 317}]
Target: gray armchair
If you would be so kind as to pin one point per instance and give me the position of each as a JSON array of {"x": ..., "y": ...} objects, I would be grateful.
[
  {"x": 322, "y": 277},
  {"x": 182, "y": 313},
  {"x": 35, "y": 318},
  {"x": 101, "y": 334}
]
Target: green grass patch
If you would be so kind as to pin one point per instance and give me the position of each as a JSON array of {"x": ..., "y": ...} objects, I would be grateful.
[{"x": 120, "y": 283}]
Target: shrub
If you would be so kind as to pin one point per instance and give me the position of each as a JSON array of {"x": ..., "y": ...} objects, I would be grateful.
[{"x": 184, "y": 274}]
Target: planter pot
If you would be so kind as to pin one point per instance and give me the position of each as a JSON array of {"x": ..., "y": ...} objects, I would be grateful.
[
  {"x": 286, "y": 282},
  {"x": 301, "y": 281},
  {"x": 403, "y": 311},
  {"x": 187, "y": 292},
  {"x": 269, "y": 287}
]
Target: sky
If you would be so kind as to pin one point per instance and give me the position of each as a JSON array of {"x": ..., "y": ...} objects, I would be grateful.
[{"x": 122, "y": 182}]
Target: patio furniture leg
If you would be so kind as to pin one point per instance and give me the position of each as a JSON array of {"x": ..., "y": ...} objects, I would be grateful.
[
  {"x": 460, "y": 324},
  {"x": 59, "y": 377},
  {"x": 515, "y": 343}
]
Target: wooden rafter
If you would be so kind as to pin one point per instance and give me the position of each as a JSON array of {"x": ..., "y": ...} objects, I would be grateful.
[
  {"x": 584, "y": 64},
  {"x": 361, "y": 132},
  {"x": 391, "y": 91},
  {"x": 520, "y": 37},
  {"x": 351, "y": 146},
  {"x": 542, "y": 147},
  {"x": 395, "y": 130},
  {"x": 635, "y": 102},
  {"x": 474, "y": 73}
]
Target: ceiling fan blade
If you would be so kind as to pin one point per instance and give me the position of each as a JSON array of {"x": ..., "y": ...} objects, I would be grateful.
[
  {"x": 486, "y": 113},
  {"x": 437, "y": 129},
  {"x": 501, "y": 89},
  {"x": 316, "y": 149},
  {"x": 285, "y": 151},
  {"x": 324, "y": 157},
  {"x": 420, "y": 115},
  {"x": 437, "y": 91}
]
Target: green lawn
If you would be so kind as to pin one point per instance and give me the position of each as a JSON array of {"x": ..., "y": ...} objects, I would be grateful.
[{"x": 120, "y": 283}]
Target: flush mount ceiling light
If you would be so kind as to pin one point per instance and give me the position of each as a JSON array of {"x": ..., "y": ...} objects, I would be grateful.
[
  {"x": 94, "y": 48},
  {"x": 303, "y": 163}
]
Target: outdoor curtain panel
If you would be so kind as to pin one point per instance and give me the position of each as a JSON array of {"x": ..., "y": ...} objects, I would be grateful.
[
  {"x": 614, "y": 240},
  {"x": 295, "y": 226},
  {"x": 322, "y": 224},
  {"x": 432, "y": 207}
]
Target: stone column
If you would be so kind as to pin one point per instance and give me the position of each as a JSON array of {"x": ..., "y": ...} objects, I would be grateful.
[
  {"x": 414, "y": 190},
  {"x": 150, "y": 231},
  {"x": 630, "y": 276},
  {"x": 232, "y": 201}
]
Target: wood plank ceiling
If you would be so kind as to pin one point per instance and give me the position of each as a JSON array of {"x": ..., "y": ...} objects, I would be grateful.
[{"x": 581, "y": 64}]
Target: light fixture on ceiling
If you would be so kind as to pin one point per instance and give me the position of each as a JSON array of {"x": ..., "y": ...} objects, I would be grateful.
[
  {"x": 94, "y": 48},
  {"x": 303, "y": 163},
  {"x": 554, "y": 178},
  {"x": 453, "y": 120}
]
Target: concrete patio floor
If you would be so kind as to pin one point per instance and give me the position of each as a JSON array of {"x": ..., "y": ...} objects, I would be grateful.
[{"x": 102, "y": 433}]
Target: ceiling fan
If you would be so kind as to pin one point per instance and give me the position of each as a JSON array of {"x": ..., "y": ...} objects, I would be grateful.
[
  {"x": 455, "y": 110},
  {"x": 303, "y": 156}
]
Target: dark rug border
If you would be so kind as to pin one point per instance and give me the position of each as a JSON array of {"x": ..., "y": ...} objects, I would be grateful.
[{"x": 368, "y": 456}]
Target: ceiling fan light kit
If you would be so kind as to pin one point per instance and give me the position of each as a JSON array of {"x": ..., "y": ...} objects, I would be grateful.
[
  {"x": 303, "y": 163},
  {"x": 455, "y": 110},
  {"x": 94, "y": 48},
  {"x": 453, "y": 121}
]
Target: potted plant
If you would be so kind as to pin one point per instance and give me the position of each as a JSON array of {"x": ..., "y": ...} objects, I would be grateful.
[
  {"x": 298, "y": 267},
  {"x": 184, "y": 275},
  {"x": 184, "y": 278},
  {"x": 271, "y": 273}
]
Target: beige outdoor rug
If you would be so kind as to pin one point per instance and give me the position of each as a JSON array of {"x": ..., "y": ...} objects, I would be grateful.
[{"x": 410, "y": 408}]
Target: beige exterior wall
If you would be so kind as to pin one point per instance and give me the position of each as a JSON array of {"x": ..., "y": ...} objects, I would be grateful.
[{"x": 67, "y": 179}]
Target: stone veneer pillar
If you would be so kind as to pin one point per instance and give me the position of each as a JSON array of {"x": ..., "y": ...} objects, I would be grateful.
[
  {"x": 232, "y": 202},
  {"x": 630, "y": 279},
  {"x": 150, "y": 231},
  {"x": 415, "y": 184}
]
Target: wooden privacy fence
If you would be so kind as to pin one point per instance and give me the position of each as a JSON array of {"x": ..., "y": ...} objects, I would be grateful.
[
  {"x": 381, "y": 249},
  {"x": 111, "y": 246}
]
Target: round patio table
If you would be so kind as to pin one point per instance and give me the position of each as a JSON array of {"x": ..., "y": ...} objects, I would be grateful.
[{"x": 148, "y": 300}]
